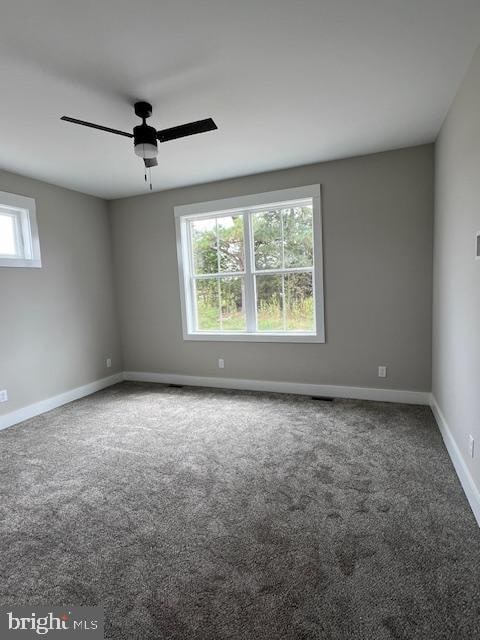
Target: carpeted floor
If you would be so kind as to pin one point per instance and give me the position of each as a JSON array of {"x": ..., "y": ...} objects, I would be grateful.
[{"x": 204, "y": 515}]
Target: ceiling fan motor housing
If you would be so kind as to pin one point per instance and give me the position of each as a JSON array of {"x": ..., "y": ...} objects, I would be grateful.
[{"x": 145, "y": 141}]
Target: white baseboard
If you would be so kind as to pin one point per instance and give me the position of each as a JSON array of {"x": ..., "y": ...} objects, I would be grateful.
[
  {"x": 334, "y": 391},
  {"x": 32, "y": 410},
  {"x": 458, "y": 461}
]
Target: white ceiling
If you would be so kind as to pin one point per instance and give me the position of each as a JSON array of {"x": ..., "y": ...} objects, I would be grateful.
[{"x": 288, "y": 82}]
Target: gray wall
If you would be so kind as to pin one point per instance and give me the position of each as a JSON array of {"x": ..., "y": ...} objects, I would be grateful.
[
  {"x": 377, "y": 222},
  {"x": 58, "y": 323},
  {"x": 456, "y": 311}
]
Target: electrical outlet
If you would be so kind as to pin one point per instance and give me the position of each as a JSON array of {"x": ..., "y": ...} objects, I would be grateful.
[
  {"x": 382, "y": 371},
  {"x": 471, "y": 446},
  {"x": 221, "y": 363},
  {"x": 108, "y": 362},
  {"x": 3, "y": 395}
]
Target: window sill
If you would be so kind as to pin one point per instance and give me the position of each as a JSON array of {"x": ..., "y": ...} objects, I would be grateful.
[
  {"x": 254, "y": 337},
  {"x": 20, "y": 262}
]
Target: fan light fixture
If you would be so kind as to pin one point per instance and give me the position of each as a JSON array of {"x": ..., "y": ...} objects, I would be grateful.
[
  {"x": 146, "y": 150},
  {"x": 145, "y": 141}
]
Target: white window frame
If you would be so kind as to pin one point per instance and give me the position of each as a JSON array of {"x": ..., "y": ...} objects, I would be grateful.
[
  {"x": 185, "y": 213},
  {"x": 23, "y": 210}
]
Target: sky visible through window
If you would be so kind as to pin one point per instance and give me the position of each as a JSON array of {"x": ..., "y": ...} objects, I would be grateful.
[{"x": 7, "y": 235}]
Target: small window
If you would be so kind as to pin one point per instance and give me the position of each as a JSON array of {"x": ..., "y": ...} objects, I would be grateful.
[
  {"x": 19, "y": 244},
  {"x": 251, "y": 267}
]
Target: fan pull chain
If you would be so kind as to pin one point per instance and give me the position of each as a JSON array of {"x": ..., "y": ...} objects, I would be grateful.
[
  {"x": 150, "y": 176},
  {"x": 143, "y": 147}
]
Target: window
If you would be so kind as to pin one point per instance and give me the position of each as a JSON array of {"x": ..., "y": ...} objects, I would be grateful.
[
  {"x": 19, "y": 245},
  {"x": 251, "y": 267}
]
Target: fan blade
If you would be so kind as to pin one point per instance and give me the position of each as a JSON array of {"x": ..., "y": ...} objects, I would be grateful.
[
  {"x": 97, "y": 126},
  {"x": 150, "y": 162},
  {"x": 200, "y": 126}
]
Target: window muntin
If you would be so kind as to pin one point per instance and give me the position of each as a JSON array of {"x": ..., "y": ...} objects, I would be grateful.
[
  {"x": 19, "y": 244},
  {"x": 252, "y": 272}
]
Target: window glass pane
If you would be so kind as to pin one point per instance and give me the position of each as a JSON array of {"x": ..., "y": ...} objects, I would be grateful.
[
  {"x": 232, "y": 297},
  {"x": 8, "y": 235},
  {"x": 208, "y": 304},
  {"x": 267, "y": 239},
  {"x": 230, "y": 243},
  {"x": 299, "y": 304},
  {"x": 298, "y": 237},
  {"x": 204, "y": 245},
  {"x": 269, "y": 303}
]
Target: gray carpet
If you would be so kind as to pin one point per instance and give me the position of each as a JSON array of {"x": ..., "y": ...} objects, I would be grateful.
[{"x": 203, "y": 514}]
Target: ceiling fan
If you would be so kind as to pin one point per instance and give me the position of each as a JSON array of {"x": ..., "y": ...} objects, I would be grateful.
[{"x": 145, "y": 137}]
